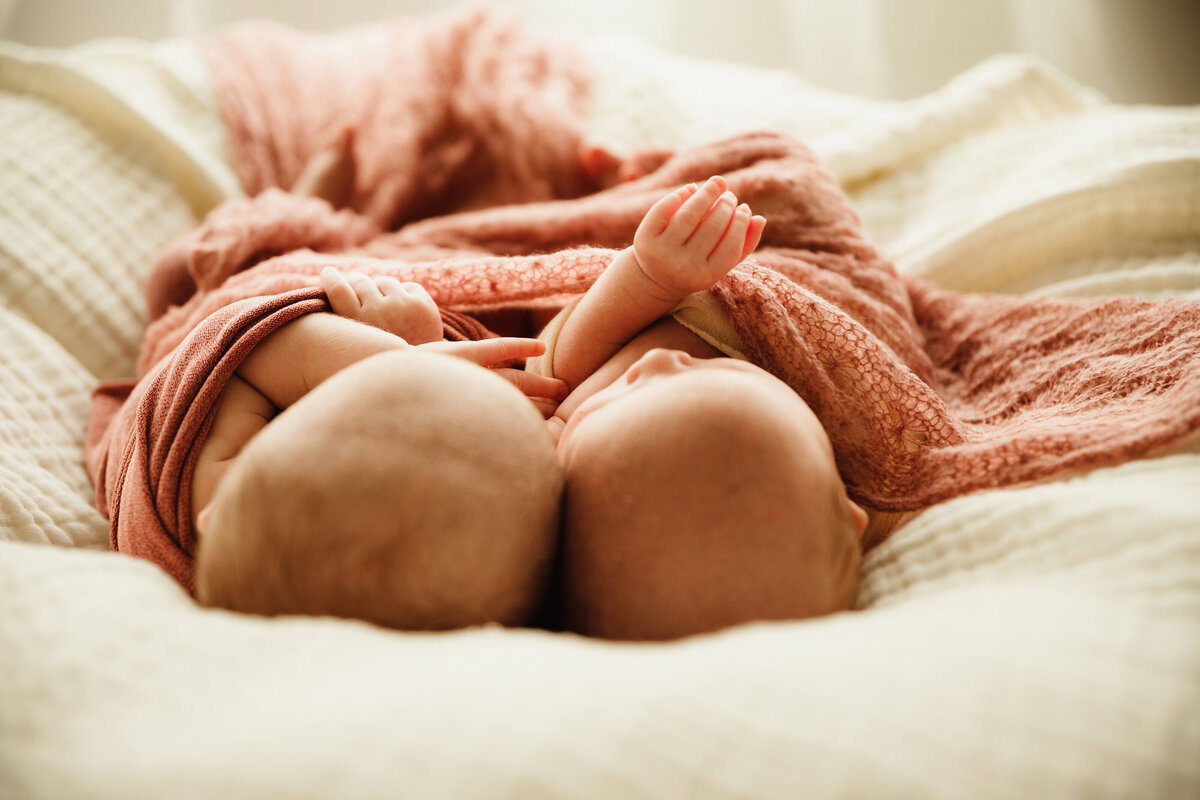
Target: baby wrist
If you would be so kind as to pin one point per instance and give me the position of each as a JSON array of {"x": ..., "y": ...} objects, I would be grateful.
[{"x": 648, "y": 286}]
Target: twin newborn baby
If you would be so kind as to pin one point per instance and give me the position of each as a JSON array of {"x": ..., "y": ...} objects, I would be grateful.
[{"x": 634, "y": 480}]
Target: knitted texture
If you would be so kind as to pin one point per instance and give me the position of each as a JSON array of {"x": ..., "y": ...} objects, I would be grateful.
[{"x": 459, "y": 110}]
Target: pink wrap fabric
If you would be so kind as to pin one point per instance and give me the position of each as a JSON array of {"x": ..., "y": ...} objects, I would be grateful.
[
  {"x": 466, "y": 109},
  {"x": 145, "y": 435},
  {"x": 476, "y": 191}
]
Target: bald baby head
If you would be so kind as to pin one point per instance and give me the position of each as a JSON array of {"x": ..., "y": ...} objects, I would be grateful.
[
  {"x": 701, "y": 494},
  {"x": 413, "y": 490}
]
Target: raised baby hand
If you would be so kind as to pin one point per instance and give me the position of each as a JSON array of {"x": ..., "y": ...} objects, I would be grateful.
[
  {"x": 401, "y": 308},
  {"x": 545, "y": 393},
  {"x": 692, "y": 237}
]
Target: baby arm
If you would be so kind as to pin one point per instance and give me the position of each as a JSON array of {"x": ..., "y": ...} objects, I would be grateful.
[
  {"x": 308, "y": 350},
  {"x": 298, "y": 356},
  {"x": 406, "y": 310},
  {"x": 687, "y": 242}
]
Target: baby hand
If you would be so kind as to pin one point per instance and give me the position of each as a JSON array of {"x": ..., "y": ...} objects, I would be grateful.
[
  {"x": 403, "y": 309},
  {"x": 544, "y": 393},
  {"x": 692, "y": 237}
]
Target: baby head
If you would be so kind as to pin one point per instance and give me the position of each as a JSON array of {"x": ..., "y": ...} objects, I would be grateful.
[
  {"x": 413, "y": 490},
  {"x": 701, "y": 493}
]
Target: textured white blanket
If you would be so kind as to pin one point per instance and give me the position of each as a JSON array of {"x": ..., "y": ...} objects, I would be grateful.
[{"x": 1034, "y": 642}]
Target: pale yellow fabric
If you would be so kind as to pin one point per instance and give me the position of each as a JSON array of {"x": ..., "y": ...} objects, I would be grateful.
[{"x": 701, "y": 314}]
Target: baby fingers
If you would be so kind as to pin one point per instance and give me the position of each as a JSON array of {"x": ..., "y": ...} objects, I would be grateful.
[
  {"x": 348, "y": 290},
  {"x": 364, "y": 286},
  {"x": 661, "y": 213},
  {"x": 534, "y": 386},
  {"x": 695, "y": 209},
  {"x": 393, "y": 287},
  {"x": 728, "y": 250},
  {"x": 753, "y": 234},
  {"x": 388, "y": 285},
  {"x": 712, "y": 228},
  {"x": 343, "y": 299},
  {"x": 490, "y": 351}
]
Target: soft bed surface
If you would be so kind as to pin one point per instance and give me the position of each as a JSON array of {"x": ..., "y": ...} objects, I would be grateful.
[{"x": 1042, "y": 641}]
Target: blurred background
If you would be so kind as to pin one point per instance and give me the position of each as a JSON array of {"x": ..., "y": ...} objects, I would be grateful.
[{"x": 1134, "y": 51}]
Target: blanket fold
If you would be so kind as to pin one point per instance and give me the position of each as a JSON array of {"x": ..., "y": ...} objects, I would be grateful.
[
  {"x": 926, "y": 394},
  {"x": 142, "y": 453},
  {"x": 464, "y": 109}
]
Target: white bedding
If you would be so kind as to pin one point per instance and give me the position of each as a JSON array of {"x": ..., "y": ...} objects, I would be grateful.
[{"x": 1035, "y": 642}]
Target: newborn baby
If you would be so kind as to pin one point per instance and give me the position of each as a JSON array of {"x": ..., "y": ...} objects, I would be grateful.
[
  {"x": 409, "y": 487},
  {"x": 702, "y": 491}
]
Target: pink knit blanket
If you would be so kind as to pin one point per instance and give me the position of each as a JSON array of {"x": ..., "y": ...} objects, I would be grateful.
[{"x": 467, "y": 134}]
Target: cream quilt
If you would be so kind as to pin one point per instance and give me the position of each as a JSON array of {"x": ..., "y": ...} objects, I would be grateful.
[{"x": 1038, "y": 642}]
